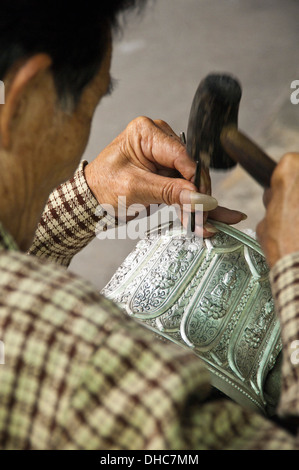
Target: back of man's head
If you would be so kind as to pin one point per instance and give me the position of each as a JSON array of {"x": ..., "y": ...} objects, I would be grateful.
[{"x": 74, "y": 34}]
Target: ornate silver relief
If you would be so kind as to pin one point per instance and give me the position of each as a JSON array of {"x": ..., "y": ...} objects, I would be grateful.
[{"x": 212, "y": 296}]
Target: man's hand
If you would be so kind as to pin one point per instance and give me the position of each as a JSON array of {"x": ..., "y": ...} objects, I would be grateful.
[
  {"x": 278, "y": 232},
  {"x": 148, "y": 164}
]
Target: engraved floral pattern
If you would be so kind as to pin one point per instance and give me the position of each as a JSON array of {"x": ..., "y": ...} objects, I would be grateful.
[
  {"x": 208, "y": 297},
  {"x": 165, "y": 276}
]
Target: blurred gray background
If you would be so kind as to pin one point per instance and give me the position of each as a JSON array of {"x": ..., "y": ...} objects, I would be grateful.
[{"x": 158, "y": 63}]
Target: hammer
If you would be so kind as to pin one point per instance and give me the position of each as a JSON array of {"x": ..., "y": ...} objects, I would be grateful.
[{"x": 213, "y": 138}]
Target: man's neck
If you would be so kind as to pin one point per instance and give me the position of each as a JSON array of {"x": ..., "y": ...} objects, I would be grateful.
[{"x": 21, "y": 200}]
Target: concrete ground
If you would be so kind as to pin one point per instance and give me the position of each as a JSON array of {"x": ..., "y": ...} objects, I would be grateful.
[{"x": 158, "y": 63}]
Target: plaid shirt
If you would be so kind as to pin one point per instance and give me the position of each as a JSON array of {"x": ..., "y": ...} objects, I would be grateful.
[{"x": 80, "y": 374}]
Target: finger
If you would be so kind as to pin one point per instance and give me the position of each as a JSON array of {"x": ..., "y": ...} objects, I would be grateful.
[
  {"x": 227, "y": 216},
  {"x": 149, "y": 141},
  {"x": 156, "y": 189},
  {"x": 192, "y": 201},
  {"x": 285, "y": 170},
  {"x": 203, "y": 229},
  {"x": 166, "y": 128},
  {"x": 205, "y": 179}
]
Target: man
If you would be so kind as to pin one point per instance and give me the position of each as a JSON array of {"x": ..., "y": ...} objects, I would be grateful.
[
  {"x": 78, "y": 374},
  {"x": 278, "y": 235}
]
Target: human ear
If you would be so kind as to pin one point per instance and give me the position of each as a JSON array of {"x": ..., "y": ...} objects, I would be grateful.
[{"x": 17, "y": 87}]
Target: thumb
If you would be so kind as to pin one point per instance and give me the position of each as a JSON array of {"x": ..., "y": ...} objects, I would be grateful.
[{"x": 157, "y": 189}]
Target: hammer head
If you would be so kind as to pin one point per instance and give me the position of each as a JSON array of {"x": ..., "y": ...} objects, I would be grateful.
[{"x": 215, "y": 105}]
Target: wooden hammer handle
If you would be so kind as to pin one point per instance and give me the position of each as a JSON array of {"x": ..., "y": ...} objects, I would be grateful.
[{"x": 245, "y": 152}]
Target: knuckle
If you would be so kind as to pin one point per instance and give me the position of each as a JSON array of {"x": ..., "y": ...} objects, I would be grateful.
[
  {"x": 286, "y": 168},
  {"x": 138, "y": 131},
  {"x": 289, "y": 160},
  {"x": 165, "y": 127},
  {"x": 169, "y": 193},
  {"x": 140, "y": 122},
  {"x": 161, "y": 123}
]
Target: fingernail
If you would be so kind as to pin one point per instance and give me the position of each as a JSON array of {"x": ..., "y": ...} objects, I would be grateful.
[
  {"x": 244, "y": 216},
  {"x": 210, "y": 228},
  {"x": 209, "y": 203}
]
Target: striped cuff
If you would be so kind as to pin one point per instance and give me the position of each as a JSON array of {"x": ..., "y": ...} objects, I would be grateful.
[{"x": 70, "y": 220}]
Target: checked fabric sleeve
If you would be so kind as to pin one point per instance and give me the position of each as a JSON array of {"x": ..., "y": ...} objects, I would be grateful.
[
  {"x": 79, "y": 374},
  {"x": 70, "y": 220},
  {"x": 285, "y": 287}
]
